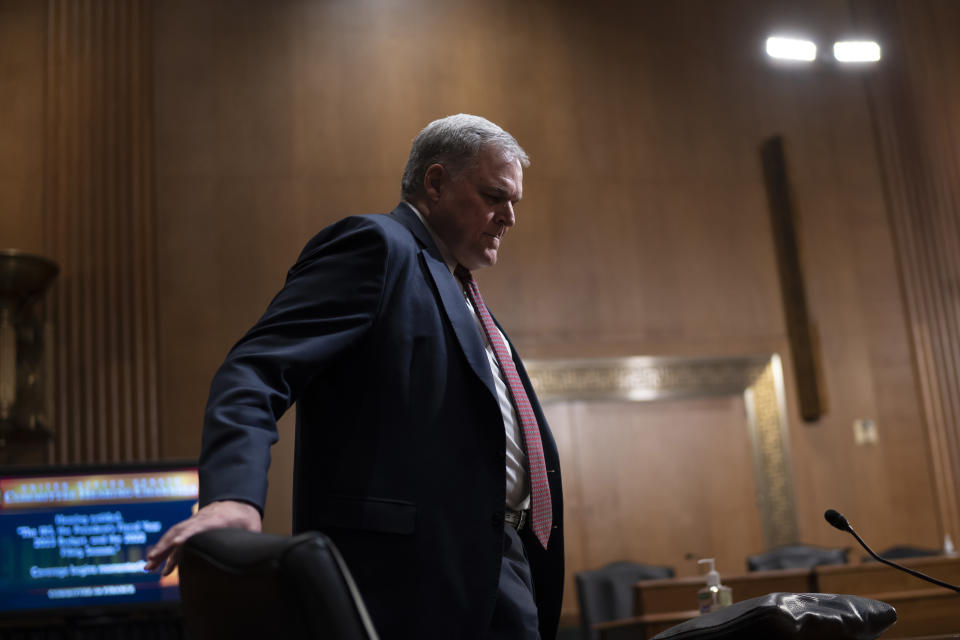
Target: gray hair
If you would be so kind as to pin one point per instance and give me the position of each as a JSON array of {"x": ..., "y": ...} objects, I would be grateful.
[{"x": 453, "y": 142}]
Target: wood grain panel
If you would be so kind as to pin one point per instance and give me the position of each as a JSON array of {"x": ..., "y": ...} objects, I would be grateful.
[
  {"x": 22, "y": 32},
  {"x": 873, "y": 577},
  {"x": 643, "y": 229},
  {"x": 914, "y": 107},
  {"x": 662, "y": 483},
  {"x": 776, "y": 179},
  {"x": 99, "y": 226}
]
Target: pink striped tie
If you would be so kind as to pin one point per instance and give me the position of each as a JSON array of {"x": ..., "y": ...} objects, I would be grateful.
[{"x": 542, "y": 509}]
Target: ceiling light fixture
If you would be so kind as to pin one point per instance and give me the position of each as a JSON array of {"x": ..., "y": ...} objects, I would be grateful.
[
  {"x": 856, "y": 51},
  {"x": 791, "y": 49}
]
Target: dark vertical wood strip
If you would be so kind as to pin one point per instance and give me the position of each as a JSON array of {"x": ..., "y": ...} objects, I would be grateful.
[
  {"x": 144, "y": 57},
  {"x": 137, "y": 243},
  {"x": 53, "y": 235},
  {"x": 56, "y": 47},
  {"x": 792, "y": 287},
  {"x": 139, "y": 230},
  {"x": 113, "y": 180},
  {"x": 98, "y": 148},
  {"x": 75, "y": 318},
  {"x": 126, "y": 253},
  {"x": 65, "y": 383},
  {"x": 48, "y": 195},
  {"x": 85, "y": 220},
  {"x": 74, "y": 210},
  {"x": 70, "y": 280}
]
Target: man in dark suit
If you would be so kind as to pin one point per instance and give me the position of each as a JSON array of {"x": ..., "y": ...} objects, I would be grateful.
[{"x": 421, "y": 449}]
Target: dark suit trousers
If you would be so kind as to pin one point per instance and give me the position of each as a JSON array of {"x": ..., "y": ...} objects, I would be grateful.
[{"x": 515, "y": 614}]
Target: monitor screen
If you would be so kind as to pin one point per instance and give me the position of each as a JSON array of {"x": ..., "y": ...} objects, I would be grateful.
[{"x": 76, "y": 537}]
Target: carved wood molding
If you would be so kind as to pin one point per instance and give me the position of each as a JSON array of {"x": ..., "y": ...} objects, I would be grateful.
[{"x": 759, "y": 379}]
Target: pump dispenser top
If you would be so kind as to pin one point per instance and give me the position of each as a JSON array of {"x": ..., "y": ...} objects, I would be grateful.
[
  {"x": 714, "y": 596},
  {"x": 713, "y": 578}
]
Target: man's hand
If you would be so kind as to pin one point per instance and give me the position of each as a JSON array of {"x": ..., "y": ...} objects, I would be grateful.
[{"x": 216, "y": 515}]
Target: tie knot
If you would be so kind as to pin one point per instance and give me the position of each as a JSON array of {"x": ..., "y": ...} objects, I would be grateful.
[{"x": 463, "y": 274}]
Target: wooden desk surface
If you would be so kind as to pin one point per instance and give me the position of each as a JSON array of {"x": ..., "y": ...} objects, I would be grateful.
[
  {"x": 677, "y": 594},
  {"x": 923, "y": 614},
  {"x": 924, "y": 611},
  {"x": 922, "y": 608},
  {"x": 874, "y": 577},
  {"x": 643, "y": 627}
]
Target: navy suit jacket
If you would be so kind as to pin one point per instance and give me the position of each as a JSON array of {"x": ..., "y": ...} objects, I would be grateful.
[{"x": 400, "y": 448}]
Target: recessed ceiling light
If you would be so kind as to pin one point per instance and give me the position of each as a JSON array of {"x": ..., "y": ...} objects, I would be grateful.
[
  {"x": 856, "y": 51},
  {"x": 791, "y": 49}
]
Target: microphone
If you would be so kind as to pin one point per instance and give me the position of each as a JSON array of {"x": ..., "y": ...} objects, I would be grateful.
[{"x": 836, "y": 520}]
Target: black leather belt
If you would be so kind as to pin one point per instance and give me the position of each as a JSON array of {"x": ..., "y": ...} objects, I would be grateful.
[{"x": 516, "y": 519}]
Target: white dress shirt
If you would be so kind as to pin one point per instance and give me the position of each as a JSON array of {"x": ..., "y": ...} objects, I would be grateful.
[{"x": 518, "y": 489}]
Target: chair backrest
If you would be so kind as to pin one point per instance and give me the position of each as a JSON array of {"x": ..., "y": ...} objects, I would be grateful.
[
  {"x": 238, "y": 584},
  {"x": 796, "y": 556},
  {"x": 904, "y": 551},
  {"x": 607, "y": 593}
]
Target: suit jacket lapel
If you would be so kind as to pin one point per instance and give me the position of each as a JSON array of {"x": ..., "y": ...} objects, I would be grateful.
[{"x": 451, "y": 297}]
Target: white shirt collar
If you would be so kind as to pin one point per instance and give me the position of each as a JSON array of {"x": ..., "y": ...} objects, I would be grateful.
[{"x": 444, "y": 252}]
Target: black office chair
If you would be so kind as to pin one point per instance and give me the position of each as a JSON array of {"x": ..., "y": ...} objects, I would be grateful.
[
  {"x": 796, "y": 556},
  {"x": 238, "y": 584},
  {"x": 606, "y": 593},
  {"x": 904, "y": 551}
]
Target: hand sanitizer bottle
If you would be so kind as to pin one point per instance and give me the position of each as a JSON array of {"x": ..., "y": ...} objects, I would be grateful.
[{"x": 714, "y": 596}]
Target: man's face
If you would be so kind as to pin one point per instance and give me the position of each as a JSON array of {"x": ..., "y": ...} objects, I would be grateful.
[{"x": 472, "y": 210}]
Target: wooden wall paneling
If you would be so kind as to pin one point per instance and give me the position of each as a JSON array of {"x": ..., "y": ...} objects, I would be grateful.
[
  {"x": 917, "y": 140},
  {"x": 662, "y": 482},
  {"x": 22, "y": 31},
  {"x": 99, "y": 226},
  {"x": 855, "y": 305},
  {"x": 642, "y": 231},
  {"x": 643, "y": 228},
  {"x": 577, "y": 529},
  {"x": 144, "y": 228},
  {"x": 23, "y": 34}
]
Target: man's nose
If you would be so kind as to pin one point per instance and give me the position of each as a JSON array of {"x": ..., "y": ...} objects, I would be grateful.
[{"x": 505, "y": 214}]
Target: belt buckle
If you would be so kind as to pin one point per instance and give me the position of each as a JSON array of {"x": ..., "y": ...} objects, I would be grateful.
[{"x": 516, "y": 519}]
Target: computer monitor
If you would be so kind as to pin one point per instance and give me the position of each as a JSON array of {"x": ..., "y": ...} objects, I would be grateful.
[{"x": 74, "y": 539}]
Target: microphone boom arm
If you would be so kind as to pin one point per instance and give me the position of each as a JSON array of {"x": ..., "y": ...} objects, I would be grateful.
[
  {"x": 915, "y": 574},
  {"x": 838, "y": 521}
]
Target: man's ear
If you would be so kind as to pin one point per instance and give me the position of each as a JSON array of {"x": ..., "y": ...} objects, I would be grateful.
[{"x": 434, "y": 181}]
